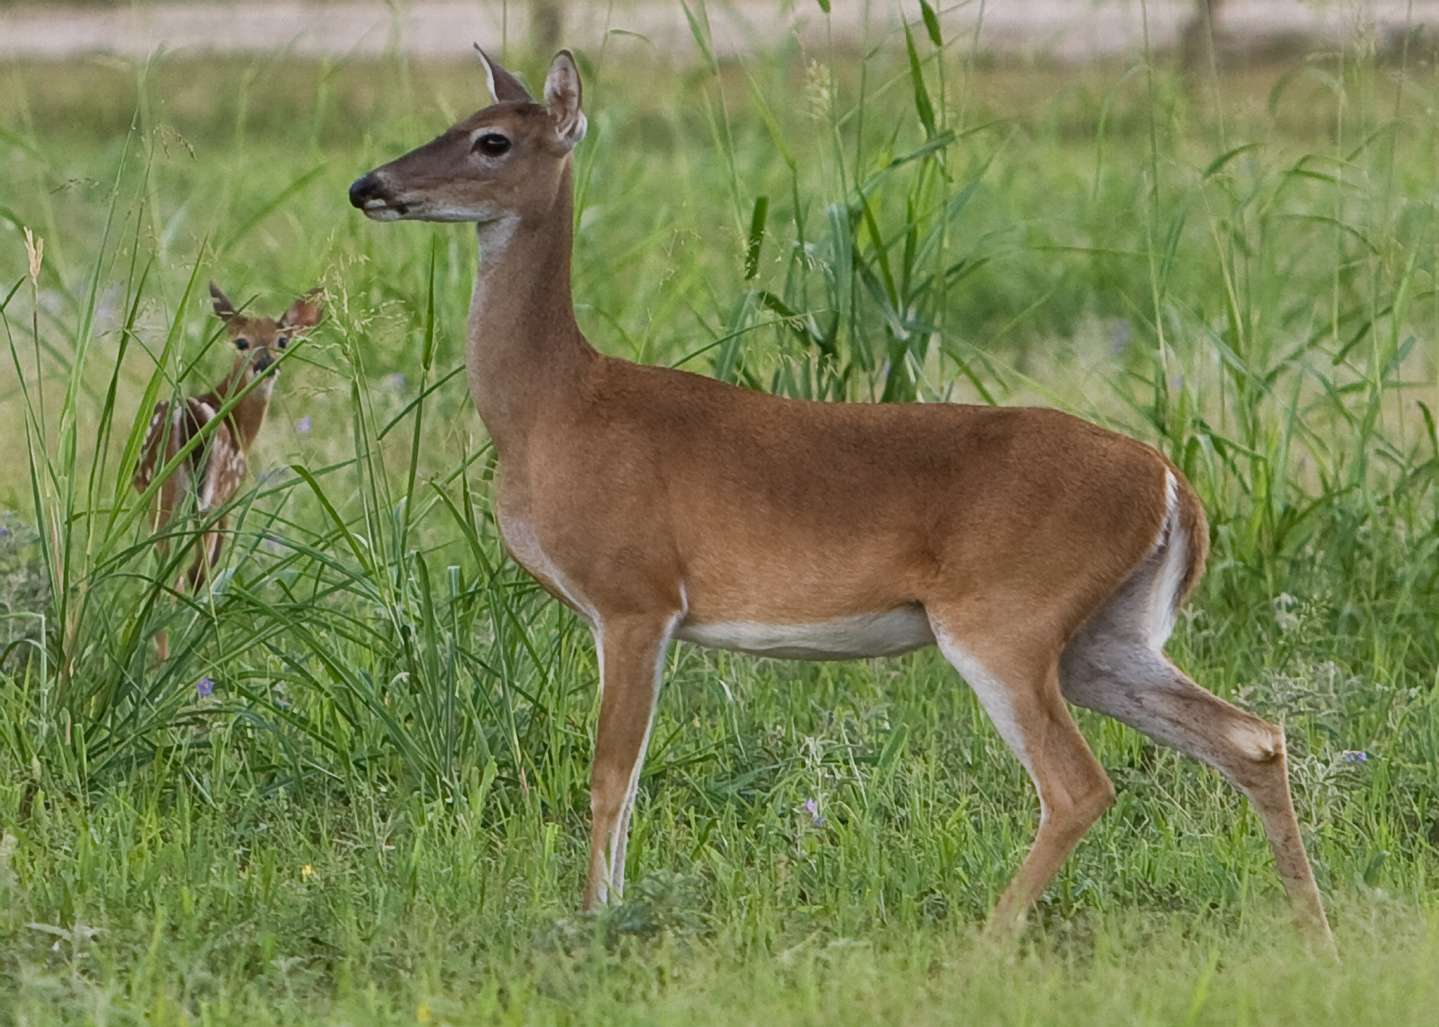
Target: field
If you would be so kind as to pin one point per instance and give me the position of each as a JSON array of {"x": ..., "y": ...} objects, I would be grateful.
[{"x": 357, "y": 791}]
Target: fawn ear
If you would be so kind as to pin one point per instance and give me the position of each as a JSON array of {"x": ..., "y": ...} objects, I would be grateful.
[
  {"x": 503, "y": 85},
  {"x": 562, "y": 97},
  {"x": 224, "y": 309},
  {"x": 305, "y": 312}
]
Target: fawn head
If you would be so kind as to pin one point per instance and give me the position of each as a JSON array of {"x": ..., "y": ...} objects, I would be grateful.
[
  {"x": 503, "y": 161},
  {"x": 259, "y": 341}
]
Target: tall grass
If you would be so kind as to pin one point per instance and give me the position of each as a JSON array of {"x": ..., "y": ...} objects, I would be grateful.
[{"x": 1243, "y": 275}]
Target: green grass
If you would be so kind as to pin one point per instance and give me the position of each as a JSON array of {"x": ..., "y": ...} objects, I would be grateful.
[{"x": 380, "y": 814}]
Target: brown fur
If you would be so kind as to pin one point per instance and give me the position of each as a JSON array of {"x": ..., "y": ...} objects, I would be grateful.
[{"x": 654, "y": 501}]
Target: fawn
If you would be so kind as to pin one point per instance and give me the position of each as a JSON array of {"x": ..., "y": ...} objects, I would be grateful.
[
  {"x": 212, "y": 472},
  {"x": 1044, "y": 555}
]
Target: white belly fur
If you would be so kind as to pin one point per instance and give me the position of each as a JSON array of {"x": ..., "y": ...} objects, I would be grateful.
[{"x": 843, "y": 638}]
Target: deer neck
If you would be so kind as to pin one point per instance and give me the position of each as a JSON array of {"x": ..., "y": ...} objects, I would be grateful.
[
  {"x": 246, "y": 416},
  {"x": 526, "y": 355}
]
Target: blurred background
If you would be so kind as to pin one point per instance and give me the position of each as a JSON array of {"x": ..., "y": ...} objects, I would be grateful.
[{"x": 1071, "y": 30}]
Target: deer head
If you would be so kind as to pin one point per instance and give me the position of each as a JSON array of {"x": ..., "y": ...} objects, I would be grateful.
[
  {"x": 259, "y": 341},
  {"x": 501, "y": 162}
]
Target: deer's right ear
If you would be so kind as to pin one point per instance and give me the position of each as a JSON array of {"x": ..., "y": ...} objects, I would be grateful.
[
  {"x": 224, "y": 309},
  {"x": 503, "y": 85},
  {"x": 562, "y": 98}
]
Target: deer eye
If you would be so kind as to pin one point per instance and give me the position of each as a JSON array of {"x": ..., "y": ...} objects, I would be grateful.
[
  {"x": 242, "y": 343},
  {"x": 492, "y": 144},
  {"x": 282, "y": 341}
]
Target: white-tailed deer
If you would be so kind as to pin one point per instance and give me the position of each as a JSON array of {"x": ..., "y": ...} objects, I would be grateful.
[
  {"x": 211, "y": 473},
  {"x": 1044, "y": 555}
]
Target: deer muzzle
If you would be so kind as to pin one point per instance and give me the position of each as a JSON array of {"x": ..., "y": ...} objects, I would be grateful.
[{"x": 368, "y": 193}]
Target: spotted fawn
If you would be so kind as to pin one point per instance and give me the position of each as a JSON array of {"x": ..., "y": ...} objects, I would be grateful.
[{"x": 212, "y": 472}]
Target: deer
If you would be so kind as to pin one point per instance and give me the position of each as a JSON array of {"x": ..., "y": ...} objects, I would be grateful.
[
  {"x": 212, "y": 472},
  {"x": 1045, "y": 556}
]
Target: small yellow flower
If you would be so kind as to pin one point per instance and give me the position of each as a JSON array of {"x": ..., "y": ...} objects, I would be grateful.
[
  {"x": 422, "y": 1014},
  {"x": 307, "y": 872}
]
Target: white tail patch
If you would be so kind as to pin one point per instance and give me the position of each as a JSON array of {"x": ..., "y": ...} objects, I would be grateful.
[{"x": 1173, "y": 548}]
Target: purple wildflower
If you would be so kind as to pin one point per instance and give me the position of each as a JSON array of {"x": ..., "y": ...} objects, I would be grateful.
[
  {"x": 811, "y": 807},
  {"x": 205, "y": 687},
  {"x": 1354, "y": 757},
  {"x": 303, "y": 425}
]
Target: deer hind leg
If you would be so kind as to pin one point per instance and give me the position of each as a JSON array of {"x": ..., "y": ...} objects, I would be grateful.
[
  {"x": 1018, "y": 686},
  {"x": 162, "y": 514},
  {"x": 162, "y": 548},
  {"x": 631, "y": 655},
  {"x": 1114, "y": 665}
]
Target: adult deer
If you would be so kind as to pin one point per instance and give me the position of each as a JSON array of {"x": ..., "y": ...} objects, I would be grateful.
[
  {"x": 1044, "y": 555},
  {"x": 212, "y": 471}
]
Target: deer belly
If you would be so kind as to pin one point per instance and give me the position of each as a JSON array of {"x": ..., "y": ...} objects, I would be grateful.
[{"x": 887, "y": 633}]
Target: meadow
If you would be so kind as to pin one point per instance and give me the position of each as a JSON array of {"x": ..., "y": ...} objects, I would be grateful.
[{"x": 357, "y": 792}]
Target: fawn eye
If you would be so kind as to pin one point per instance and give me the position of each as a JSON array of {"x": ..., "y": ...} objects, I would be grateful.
[
  {"x": 491, "y": 144},
  {"x": 242, "y": 343},
  {"x": 282, "y": 341}
]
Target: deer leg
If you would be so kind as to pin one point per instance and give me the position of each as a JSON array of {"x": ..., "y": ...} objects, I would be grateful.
[
  {"x": 160, "y": 517},
  {"x": 162, "y": 637},
  {"x": 1119, "y": 675},
  {"x": 1018, "y": 686},
  {"x": 208, "y": 557},
  {"x": 631, "y": 655}
]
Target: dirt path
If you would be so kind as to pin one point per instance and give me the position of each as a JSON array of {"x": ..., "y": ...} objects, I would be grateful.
[{"x": 1066, "y": 29}]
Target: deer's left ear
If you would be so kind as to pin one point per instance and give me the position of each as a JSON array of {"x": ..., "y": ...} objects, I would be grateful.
[
  {"x": 562, "y": 98},
  {"x": 305, "y": 312}
]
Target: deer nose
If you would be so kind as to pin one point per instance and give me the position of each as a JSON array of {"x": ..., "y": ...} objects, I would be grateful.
[
  {"x": 263, "y": 362},
  {"x": 366, "y": 187}
]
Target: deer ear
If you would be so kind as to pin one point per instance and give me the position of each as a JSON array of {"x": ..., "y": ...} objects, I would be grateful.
[
  {"x": 305, "y": 312},
  {"x": 562, "y": 97},
  {"x": 503, "y": 85},
  {"x": 224, "y": 309}
]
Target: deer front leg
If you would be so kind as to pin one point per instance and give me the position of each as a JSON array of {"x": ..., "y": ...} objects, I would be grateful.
[
  {"x": 208, "y": 557},
  {"x": 631, "y": 655}
]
